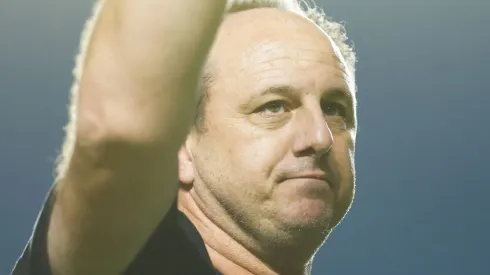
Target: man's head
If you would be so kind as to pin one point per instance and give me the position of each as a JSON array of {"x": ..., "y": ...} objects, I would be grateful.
[
  {"x": 275, "y": 160},
  {"x": 334, "y": 30}
]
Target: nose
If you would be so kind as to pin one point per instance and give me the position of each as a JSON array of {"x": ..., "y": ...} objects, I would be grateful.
[{"x": 313, "y": 135}]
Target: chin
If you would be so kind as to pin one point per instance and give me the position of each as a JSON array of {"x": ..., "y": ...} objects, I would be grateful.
[{"x": 307, "y": 213}]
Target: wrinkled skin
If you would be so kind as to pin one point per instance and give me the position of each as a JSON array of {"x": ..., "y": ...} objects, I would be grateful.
[{"x": 274, "y": 168}]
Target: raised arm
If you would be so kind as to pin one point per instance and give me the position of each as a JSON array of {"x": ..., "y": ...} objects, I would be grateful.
[{"x": 135, "y": 103}]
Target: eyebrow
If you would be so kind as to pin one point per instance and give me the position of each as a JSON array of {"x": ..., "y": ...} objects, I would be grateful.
[
  {"x": 340, "y": 94},
  {"x": 283, "y": 90},
  {"x": 280, "y": 90},
  {"x": 288, "y": 91}
]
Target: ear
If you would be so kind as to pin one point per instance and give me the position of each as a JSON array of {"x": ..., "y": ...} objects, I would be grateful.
[{"x": 186, "y": 164}]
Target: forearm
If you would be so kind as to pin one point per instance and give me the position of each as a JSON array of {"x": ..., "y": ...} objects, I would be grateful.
[{"x": 142, "y": 68}]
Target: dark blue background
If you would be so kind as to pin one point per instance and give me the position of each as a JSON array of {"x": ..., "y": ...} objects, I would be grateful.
[{"x": 423, "y": 142}]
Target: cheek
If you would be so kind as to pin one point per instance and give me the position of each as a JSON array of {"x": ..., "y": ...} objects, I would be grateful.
[
  {"x": 245, "y": 159},
  {"x": 258, "y": 151},
  {"x": 245, "y": 154},
  {"x": 342, "y": 162}
]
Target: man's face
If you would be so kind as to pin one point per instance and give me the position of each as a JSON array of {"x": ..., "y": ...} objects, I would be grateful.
[{"x": 277, "y": 153}]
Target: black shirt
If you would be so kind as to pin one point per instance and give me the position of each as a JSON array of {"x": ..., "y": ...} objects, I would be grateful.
[{"x": 175, "y": 248}]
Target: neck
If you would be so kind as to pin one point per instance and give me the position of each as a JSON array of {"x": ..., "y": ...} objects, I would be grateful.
[{"x": 229, "y": 256}]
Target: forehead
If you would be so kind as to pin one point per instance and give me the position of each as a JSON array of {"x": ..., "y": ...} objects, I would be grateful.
[{"x": 268, "y": 47}]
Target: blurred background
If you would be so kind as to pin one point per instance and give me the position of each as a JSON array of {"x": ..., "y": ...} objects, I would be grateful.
[{"x": 423, "y": 144}]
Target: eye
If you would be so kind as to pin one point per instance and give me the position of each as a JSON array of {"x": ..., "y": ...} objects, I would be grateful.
[
  {"x": 333, "y": 109},
  {"x": 272, "y": 108}
]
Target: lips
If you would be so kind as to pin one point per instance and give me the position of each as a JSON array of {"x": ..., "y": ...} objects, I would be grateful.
[
  {"x": 310, "y": 175},
  {"x": 316, "y": 175}
]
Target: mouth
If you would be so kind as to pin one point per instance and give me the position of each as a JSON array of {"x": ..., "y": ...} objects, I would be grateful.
[{"x": 312, "y": 176}]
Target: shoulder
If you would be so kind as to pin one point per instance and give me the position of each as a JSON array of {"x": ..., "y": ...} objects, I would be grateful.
[{"x": 175, "y": 247}]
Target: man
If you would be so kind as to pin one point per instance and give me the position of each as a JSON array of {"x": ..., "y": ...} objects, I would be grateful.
[{"x": 261, "y": 178}]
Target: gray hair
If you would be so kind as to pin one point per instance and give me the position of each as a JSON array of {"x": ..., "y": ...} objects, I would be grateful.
[{"x": 334, "y": 30}]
